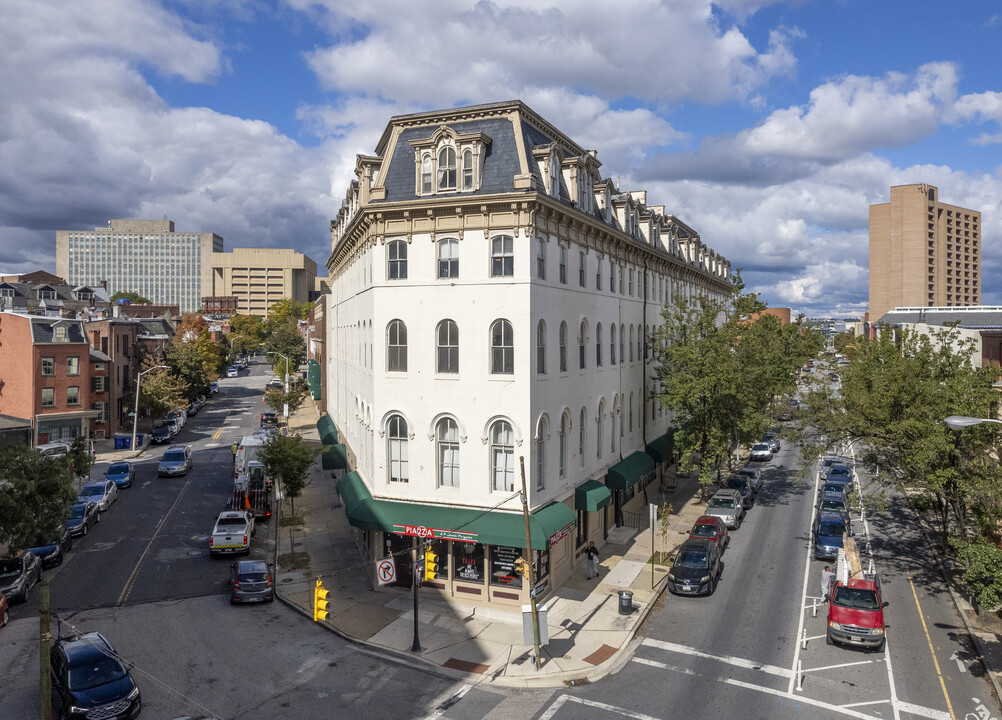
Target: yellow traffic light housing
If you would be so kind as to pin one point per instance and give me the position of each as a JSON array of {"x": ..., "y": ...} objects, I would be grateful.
[
  {"x": 431, "y": 561},
  {"x": 521, "y": 567},
  {"x": 320, "y": 601}
]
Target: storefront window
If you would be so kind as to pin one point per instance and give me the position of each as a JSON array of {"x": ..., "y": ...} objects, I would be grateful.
[
  {"x": 503, "y": 566},
  {"x": 469, "y": 560},
  {"x": 541, "y": 565}
]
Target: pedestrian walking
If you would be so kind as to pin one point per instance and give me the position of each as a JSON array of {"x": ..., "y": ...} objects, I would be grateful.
[
  {"x": 827, "y": 580},
  {"x": 592, "y": 553},
  {"x": 233, "y": 449}
]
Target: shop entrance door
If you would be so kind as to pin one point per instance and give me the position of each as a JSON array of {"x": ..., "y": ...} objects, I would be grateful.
[{"x": 400, "y": 547}]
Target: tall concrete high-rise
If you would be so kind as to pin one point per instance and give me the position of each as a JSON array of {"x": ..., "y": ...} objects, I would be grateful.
[
  {"x": 923, "y": 253},
  {"x": 142, "y": 256},
  {"x": 258, "y": 277}
]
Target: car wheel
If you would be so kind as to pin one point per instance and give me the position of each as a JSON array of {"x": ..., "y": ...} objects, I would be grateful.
[
  {"x": 828, "y": 639},
  {"x": 99, "y": 517},
  {"x": 713, "y": 587},
  {"x": 85, "y": 528},
  {"x": 880, "y": 647}
]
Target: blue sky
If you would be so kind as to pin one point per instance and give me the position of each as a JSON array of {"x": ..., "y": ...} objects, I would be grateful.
[{"x": 768, "y": 126}]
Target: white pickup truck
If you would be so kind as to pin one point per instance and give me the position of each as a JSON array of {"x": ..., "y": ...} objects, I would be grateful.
[{"x": 232, "y": 533}]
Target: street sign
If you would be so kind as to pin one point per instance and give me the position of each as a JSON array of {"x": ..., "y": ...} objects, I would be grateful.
[{"x": 386, "y": 571}]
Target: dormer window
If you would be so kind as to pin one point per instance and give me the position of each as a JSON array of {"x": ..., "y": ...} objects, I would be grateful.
[
  {"x": 467, "y": 169},
  {"x": 59, "y": 334},
  {"x": 6, "y": 292},
  {"x": 447, "y": 168},
  {"x": 426, "y": 174},
  {"x": 46, "y": 294},
  {"x": 438, "y": 166},
  {"x": 554, "y": 186}
]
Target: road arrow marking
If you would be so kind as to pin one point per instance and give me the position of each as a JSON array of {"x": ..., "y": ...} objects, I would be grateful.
[{"x": 960, "y": 663}]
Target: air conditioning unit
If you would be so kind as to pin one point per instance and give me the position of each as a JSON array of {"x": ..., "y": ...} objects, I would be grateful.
[{"x": 99, "y": 434}]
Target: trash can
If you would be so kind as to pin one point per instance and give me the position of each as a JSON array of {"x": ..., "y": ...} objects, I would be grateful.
[
  {"x": 625, "y": 602},
  {"x": 127, "y": 442},
  {"x": 118, "y": 442}
]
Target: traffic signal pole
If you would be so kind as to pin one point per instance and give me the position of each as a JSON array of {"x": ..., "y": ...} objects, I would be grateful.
[
  {"x": 415, "y": 573},
  {"x": 527, "y": 565}
]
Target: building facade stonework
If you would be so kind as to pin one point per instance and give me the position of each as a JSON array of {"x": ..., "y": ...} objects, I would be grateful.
[{"x": 491, "y": 299}]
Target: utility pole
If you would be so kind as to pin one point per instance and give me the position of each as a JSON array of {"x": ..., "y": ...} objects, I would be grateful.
[
  {"x": 44, "y": 676},
  {"x": 415, "y": 572},
  {"x": 527, "y": 565}
]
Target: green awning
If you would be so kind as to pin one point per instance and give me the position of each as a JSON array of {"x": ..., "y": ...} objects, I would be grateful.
[
  {"x": 328, "y": 433},
  {"x": 591, "y": 496},
  {"x": 336, "y": 458},
  {"x": 662, "y": 448},
  {"x": 629, "y": 472},
  {"x": 313, "y": 378},
  {"x": 449, "y": 523}
]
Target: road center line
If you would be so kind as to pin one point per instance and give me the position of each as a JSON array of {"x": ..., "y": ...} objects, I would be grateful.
[
  {"x": 928, "y": 639},
  {"x": 730, "y": 660}
]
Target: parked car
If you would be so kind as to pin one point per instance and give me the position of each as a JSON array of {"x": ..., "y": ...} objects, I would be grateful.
[
  {"x": 754, "y": 475},
  {"x": 53, "y": 449},
  {"x": 163, "y": 433},
  {"x": 829, "y": 460},
  {"x": 773, "y": 441},
  {"x": 50, "y": 551},
  {"x": 232, "y": 532},
  {"x": 178, "y": 417},
  {"x": 856, "y": 614},
  {"x": 103, "y": 492},
  {"x": 761, "y": 451},
  {"x": 835, "y": 487},
  {"x": 213, "y": 387},
  {"x": 838, "y": 472},
  {"x": 18, "y": 574},
  {"x": 836, "y": 503},
  {"x": 827, "y": 534},
  {"x": 122, "y": 474},
  {"x": 269, "y": 418},
  {"x": 4, "y": 610},
  {"x": 277, "y": 383},
  {"x": 711, "y": 528},
  {"x": 250, "y": 581},
  {"x": 727, "y": 505},
  {"x": 743, "y": 485},
  {"x": 232, "y": 372},
  {"x": 696, "y": 568},
  {"x": 90, "y": 681},
  {"x": 176, "y": 461},
  {"x": 82, "y": 516}
]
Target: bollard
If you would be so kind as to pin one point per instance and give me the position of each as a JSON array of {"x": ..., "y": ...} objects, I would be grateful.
[
  {"x": 803, "y": 640},
  {"x": 800, "y": 676},
  {"x": 814, "y": 610}
]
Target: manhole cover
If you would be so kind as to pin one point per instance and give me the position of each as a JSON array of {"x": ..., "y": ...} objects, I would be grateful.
[
  {"x": 287, "y": 580},
  {"x": 194, "y": 553}
]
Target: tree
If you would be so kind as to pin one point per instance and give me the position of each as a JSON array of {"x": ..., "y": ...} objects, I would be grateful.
[
  {"x": 80, "y": 458},
  {"x": 160, "y": 390},
  {"x": 250, "y": 327},
  {"x": 287, "y": 460},
  {"x": 193, "y": 332},
  {"x": 276, "y": 398},
  {"x": 287, "y": 310},
  {"x": 130, "y": 296},
  {"x": 285, "y": 341},
  {"x": 36, "y": 498}
]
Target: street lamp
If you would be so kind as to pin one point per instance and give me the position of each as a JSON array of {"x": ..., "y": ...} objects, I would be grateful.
[
  {"x": 135, "y": 415},
  {"x": 959, "y": 422},
  {"x": 285, "y": 405}
]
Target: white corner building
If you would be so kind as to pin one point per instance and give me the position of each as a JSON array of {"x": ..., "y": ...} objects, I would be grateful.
[{"x": 491, "y": 296}]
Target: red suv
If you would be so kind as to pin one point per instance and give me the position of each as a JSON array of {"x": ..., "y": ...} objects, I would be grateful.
[
  {"x": 856, "y": 615},
  {"x": 711, "y": 528}
]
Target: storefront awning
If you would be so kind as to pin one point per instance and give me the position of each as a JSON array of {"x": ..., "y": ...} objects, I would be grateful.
[
  {"x": 336, "y": 458},
  {"x": 313, "y": 378},
  {"x": 629, "y": 472},
  {"x": 328, "y": 433},
  {"x": 591, "y": 495},
  {"x": 492, "y": 527},
  {"x": 661, "y": 449}
]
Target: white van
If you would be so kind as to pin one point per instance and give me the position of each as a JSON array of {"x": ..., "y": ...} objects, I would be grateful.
[{"x": 54, "y": 449}]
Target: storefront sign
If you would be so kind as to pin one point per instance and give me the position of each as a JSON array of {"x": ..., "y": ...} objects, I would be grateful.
[
  {"x": 435, "y": 533},
  {"x": 503, "y": 566},
  {"x": 562, "y": 532}
]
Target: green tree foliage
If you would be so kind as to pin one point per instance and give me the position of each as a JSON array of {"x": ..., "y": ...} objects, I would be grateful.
[
  {"x": 285, "y": 340},
  {"x": 983, "y": 571},
  {"x": 250, "y": 327},
  {"x": 193, "y": 332},
  {"x": 276, "y": 398},
  {"x": 79, "y": 457},
  {"x": 37, "y": 492},
  {"x": 287, "y": 310},
  {"x": 131, "y": 296},
  {"x": 287, "y": 459},
  {"x": 160, "y": 390}
]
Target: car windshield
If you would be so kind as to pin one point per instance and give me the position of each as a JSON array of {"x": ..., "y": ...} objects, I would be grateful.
[
  {"x": 691, "y": 559},
  {"x": 10, "y": 568},
  {"x": 160, "y": 429},
  {"x": 834, "y": 487},
  {"x": 835, "y": 505},
  {"x": 174, "y": 456},
  {"x": 92, "y": 490},
  {"x": 77, "y": 512},
  {"x": 838, "y": 470},
  {"x": 721, "y": 502},
  {"x": 118, "y": 469},
  {"x": 99, "y": 671},
  {"x": 760, "y": 446},
  {"x": 856, "y": 598},
  {"x": 831, "y": 529},
  {"x": 704, "y": 530}
]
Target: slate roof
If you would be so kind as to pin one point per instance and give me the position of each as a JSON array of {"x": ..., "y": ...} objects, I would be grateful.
[
  {"x": 988, "y": 318},
  {"x": 42, "y": 329}
]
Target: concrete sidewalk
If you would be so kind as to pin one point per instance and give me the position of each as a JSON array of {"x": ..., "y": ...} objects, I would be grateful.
[{"x": 588, "y": 637}]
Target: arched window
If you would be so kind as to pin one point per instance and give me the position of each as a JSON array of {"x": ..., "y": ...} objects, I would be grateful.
[
  {"x": 598, "y": 345},
  {"x": 447, "y": 339},
  {"x": 622, "y": 343},
  {"x": 647, "y": 345},
  {"x": 396, "y": 449},
  {"x": 448, "y": 258},
  {"x": 640, "y": 341},
  {"x": 631, "y": 412},
  {"x": 426, "y": 188},
  {"x": 396, "y": 260},
  {"x": 396, "y": 346},
  {"x": 582, "y": 427},
  {"x": 502, "y": 348},
  {"x": 541, "y": 348},
  {"x": 631, "y": 343},
  {"x": 541, "y": 432},
  {"x": 600, "y": 425},
  {"x": 447, "y": 168},
  {"x": 502, "y": 456},
  {"x": 467, "y": 169},
  {"x": 502, "y": 256},
  {"x": 582, "y": 339},
  {"x": 447, "y": 452},
  {"x": 563, "y": 347},
  {"x": 612, "y": 344},
  {"x": 612, "y": 277},
  {"x": 565, "y": 421}
]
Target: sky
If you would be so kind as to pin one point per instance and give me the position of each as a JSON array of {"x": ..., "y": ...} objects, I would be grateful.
[{"x": 768, "y": 126}]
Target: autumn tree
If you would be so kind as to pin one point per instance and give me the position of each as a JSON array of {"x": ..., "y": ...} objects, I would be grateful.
[
  {"x": 193, "y": 333},
  {"x": 287, "y": 310}
]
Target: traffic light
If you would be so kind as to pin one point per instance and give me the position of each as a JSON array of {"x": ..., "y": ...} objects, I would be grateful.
[
  {"x": 320, "y": 602},
  {"x": 431, "y": 561},
  {"x": 521, "y": 568}
]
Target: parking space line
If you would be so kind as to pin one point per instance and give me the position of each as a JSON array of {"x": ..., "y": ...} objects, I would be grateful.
[
  {"x": 928, "y": 639},
  {"x": 868, "y": 702},
  {"x": 925, "y": 712},
  {"x": 736, "y": 661},
  {"x": 840, "y": 665},
  {"x": 561, "y": 700}
]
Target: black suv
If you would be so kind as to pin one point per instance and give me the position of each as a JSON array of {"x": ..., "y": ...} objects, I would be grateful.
[
  {"x": 696, "y": 569},
  {"x": 51, "y": 550},
  {"x": 18, "y": 574},
  {"x": 162, "y": 433},
  {"x": 269, "y": 418},
  {"x": 89, "y": 680}
]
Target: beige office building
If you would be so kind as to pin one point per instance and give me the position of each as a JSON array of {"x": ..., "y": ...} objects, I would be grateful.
[
  {"x": 142, "y": 256},
  {"x": 258, "y": 277},
  {"x": 923, "y": 253}
]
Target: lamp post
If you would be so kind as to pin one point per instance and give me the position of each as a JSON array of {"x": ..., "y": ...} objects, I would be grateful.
[
  {"x": 959, "y": 422},
  {"x": 285, "y": 405},
  {"x": 135, "y": 415}
]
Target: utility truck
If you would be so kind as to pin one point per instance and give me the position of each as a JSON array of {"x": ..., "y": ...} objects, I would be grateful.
[{"x": 252, "y": 488}]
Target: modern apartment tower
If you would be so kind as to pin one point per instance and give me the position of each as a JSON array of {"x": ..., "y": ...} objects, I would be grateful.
[
  {"x": 923, "y": 253},
  {"x": 143, "y": 256}
]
